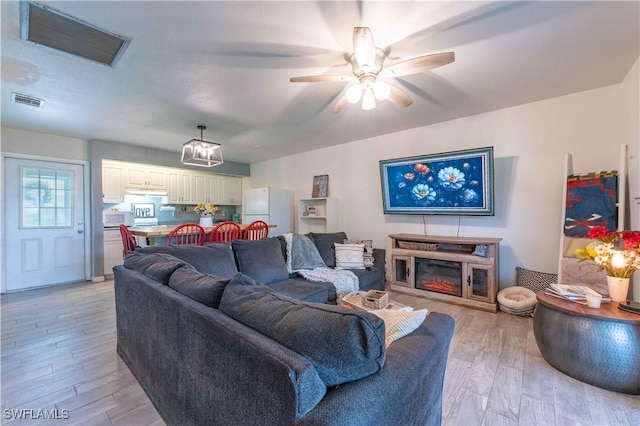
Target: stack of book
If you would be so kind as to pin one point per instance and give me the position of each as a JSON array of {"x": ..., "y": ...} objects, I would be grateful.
[{"x": 573, "y": 293}]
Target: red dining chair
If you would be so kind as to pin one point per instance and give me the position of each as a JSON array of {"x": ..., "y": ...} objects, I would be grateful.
[
  {"x": 187, "y": 234},
  {"x": 225, "y": 232},
  {"x": 256, "y": 230},
  {"x": 128, "y": 241}
]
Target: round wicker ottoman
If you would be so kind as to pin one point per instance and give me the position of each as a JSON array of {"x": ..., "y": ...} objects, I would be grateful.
[{"x": 517, "y": 301}]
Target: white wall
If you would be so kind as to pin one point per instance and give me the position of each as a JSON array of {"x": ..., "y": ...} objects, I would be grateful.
[
  {"x": 530, "y": 142},
  {"x": 46, "y": 145},
  {"x": 630, "y": 88}
]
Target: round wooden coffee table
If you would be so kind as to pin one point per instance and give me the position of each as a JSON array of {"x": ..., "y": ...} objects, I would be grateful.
[{"x": 596, "y": 346}]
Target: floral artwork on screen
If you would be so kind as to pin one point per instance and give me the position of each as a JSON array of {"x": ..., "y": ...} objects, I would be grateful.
[{"x": 452, "y": 183}]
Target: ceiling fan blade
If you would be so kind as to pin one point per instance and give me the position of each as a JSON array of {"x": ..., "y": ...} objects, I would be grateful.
[
  {"x": 398, "y": 97},
  {"x": 342, "y": 102},
  {"x": 322, "y": 78},
  {"x": 364, "y": 49},
  {"x": 419, "y": 64}
]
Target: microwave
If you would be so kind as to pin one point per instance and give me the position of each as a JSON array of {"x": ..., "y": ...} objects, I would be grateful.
[{"x": 113, "y": 219}]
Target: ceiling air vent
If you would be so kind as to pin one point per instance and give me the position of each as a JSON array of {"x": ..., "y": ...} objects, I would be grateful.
[
  {"x": 26, "y": 100},
  {"x": 43, "y": 25}
]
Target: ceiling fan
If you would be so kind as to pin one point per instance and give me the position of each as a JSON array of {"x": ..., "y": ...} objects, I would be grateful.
[{"x": 367, "y": 63}]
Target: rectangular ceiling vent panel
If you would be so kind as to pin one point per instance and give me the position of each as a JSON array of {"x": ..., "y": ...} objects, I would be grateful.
[
  {"x": 43, "y": 25},
  {"x": 26, "y": 100}
]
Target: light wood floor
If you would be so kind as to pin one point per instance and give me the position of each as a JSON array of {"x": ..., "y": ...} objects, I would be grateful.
[{"x": 58, "y": 352}]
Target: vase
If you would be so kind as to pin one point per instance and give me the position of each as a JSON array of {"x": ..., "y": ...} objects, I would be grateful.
[
  {"x": 206, "y": 221},
  {"x": 618, "y": 288}
]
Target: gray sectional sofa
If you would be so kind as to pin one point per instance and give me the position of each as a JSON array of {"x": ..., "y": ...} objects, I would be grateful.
[
  {"x": 214, "y": 346},
  {"x": 264, "y": 261}
]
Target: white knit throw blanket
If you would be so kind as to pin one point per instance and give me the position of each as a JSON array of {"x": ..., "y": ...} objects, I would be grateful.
[{"x": 344, "y": 281}]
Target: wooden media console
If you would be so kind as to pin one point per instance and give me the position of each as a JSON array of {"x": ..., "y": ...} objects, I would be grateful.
[{"x": 459, "y": 270}]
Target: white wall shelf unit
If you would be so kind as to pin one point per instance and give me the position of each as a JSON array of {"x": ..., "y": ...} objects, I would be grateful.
[{"x": 322, "y": 215}]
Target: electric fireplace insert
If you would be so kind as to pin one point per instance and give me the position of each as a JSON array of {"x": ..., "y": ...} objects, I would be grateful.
[{"x": 441, "y": 276}]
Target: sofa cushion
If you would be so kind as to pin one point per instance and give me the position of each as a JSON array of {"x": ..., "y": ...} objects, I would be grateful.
[
  {"x": 199, "y": 286},
  {"x": 370, "y": 279},
  {"x": 302, "y": 290},
  {"x": 324, "y": 242},
  {"x": 261, "y": 259},
  {"x": 157, "y": 266},
  {"x": 343, "y": 344},
  {"x": 215, "y": 259}
]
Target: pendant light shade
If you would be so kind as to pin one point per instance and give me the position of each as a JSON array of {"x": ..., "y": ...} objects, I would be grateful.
[{"x": 198, "y": 152}]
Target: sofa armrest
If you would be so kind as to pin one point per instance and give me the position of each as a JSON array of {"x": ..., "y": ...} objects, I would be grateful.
[
  {"x": 408, "y": 389},
  {"x": 379, "y": 258}
]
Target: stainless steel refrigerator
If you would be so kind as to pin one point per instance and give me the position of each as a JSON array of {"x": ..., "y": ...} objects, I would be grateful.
[{"x": 274, "y": 206}]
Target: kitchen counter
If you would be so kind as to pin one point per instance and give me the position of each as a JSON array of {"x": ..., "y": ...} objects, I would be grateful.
[{"x": 165, "y": 230}]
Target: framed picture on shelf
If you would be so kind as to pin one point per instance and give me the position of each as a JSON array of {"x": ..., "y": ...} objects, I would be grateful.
[
  {"x": 449, "y": 183},
  {"x": 320, "y": 186}
]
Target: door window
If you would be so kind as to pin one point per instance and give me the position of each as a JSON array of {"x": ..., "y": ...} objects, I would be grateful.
[{"x": 47, "y": 200}]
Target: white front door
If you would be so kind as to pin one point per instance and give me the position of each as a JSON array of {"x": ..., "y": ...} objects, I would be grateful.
[{"x": 45, "y": 224}]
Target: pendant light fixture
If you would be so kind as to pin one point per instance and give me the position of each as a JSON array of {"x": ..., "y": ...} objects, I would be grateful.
[{"x": 198, "y": 152}]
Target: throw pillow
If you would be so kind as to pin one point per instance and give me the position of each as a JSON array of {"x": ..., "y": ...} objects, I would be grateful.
[
  {"x": 157, "y": 266},
  {"x": 534, "y": 280},
  {"x": 202, "y": 287},
  {"x": 368, "y": 250},
  {"x": 342, "y": 344},
  {"x": 399, "y": 323},
  {"x": 349, "y": 256},
  {"x": 261, "y": 259},
  {"x": 324, "y": 242}
]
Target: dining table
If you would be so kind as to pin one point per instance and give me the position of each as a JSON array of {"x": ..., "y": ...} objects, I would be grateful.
[
  {"x": 154, "y": 231},
  {"x": 149, "y": 231}
]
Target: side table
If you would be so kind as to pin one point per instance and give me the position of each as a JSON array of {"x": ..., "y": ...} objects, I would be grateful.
[{"x": 596, "y": 346}]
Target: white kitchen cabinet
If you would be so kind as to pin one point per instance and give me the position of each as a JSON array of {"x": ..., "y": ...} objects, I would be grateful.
[
  {"x": 140, "y": 176},
  {"x": 179, "y": 187},
  {"x": 112, "y": 250},
  {"x": 199, "y": 191},
  {"x": 112, "y": 183},
  {"x": 212, "y": 189},
  {"x": 182, "y": 186},
  {"x": 230, "y": 191}
]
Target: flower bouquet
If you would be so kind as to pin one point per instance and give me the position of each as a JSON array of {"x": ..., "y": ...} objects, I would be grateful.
[
  {"x": 617, "y": 253},
  {"x": 205, "y": 209}
]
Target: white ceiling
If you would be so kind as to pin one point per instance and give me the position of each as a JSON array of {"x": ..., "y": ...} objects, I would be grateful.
[{"x": 227, "y": 65}]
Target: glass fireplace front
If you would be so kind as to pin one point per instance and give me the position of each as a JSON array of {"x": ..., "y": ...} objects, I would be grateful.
[{"x": 441, "y": 276}]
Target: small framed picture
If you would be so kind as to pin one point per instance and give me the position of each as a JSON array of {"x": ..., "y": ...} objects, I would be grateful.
[{"x": 320, "y": 186}]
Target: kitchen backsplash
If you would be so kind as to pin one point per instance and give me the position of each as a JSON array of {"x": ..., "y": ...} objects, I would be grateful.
[{"x": 168, "y": 213}]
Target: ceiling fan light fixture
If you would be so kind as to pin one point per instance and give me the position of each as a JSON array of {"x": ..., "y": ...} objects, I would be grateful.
[
  {"x": 368, "y": 100},
  {"x": 198, "y": 152},
  {"x": 354, "y": 93},
  {"x": 364, "y": 47},
  {"x": 381, "y": 90}
]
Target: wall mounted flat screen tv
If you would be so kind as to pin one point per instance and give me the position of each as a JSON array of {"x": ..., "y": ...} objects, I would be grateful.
[{"x": 451, "y": 183}]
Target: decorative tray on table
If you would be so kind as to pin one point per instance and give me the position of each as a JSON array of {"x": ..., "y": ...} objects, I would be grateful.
[{"x": 356, "y": 300}]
